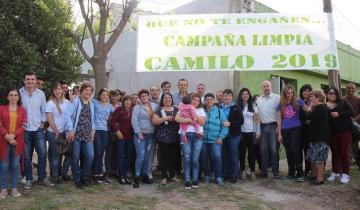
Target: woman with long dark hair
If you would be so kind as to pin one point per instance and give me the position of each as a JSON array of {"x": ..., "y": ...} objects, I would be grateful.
[
  {"x": 12, "y": 126},
  {"x": 340, "y": 113},
  {"x": 249, "y": 131},
  {"x": 305, "y": 92},
  {"x": 166, "y": 133}
]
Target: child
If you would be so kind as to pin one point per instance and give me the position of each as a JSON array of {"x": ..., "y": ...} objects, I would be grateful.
[{"x": 188, "y": 111}]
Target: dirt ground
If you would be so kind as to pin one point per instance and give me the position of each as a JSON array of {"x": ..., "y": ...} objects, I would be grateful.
[{"x": 260, "y": 194}]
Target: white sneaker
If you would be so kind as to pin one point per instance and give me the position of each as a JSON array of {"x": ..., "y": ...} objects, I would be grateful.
[
  {"x": 344, "y": 179},
  {"x": 15, "y": 193},
  {"x": 27, "y": 185},
  {"x": 333, "y": 177}
]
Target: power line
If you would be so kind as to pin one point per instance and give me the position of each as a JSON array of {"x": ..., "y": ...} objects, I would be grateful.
[{"x": 347, "y": 20}]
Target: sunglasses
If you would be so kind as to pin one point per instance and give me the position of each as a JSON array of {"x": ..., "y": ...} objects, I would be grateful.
[{"x": 331, "y": 93}]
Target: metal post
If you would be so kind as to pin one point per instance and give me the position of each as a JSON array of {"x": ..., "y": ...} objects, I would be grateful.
[
  {"x": 240, "y": 6},
  {"x": 333, "y": 74}
]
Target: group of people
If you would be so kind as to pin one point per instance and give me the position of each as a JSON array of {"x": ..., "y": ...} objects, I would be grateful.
[{"x": 202, "y": 136}]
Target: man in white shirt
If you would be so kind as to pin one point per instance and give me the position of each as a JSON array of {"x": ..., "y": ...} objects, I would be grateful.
[
  {"x": 34, "y": 102},
  {"x": 269, "y": 149}
]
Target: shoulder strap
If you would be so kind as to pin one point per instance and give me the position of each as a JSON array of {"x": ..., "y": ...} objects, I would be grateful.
[
  {"x": 76, "y": 114},
  {"x": 220, "y": 122}
]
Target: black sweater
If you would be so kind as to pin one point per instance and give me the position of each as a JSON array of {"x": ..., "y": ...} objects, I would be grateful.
[
  {"x": 236, "y": 120},
  {"x": 319, "y": 126},
  {"x": 342, "y": 123}
]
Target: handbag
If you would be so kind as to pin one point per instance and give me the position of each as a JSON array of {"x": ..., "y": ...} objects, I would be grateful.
[{"x": 62, "y": 145}]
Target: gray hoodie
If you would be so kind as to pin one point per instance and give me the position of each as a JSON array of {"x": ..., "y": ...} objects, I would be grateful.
[{"x": 140, "y": 120}]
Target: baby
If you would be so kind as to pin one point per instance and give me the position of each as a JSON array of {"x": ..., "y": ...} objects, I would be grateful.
[{"x": 187, "y": 110}]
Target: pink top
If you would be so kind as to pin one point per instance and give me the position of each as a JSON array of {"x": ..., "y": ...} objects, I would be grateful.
[{"x": 188, "y": 111}]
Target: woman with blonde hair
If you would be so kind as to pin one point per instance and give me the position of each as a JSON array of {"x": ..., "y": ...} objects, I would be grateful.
[
  {"x": 320, "y": 135},
  {"x": 290, "y": 135}
]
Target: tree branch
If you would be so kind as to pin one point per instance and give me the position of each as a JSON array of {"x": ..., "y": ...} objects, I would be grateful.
[
  {"x": 129, "y": 7},
  {"x": 103, "y": 22},
  {"x": 78, "y": 42},
  {"x": 88, "y": 24}
]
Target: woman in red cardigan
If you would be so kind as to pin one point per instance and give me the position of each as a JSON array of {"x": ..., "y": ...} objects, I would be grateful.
[{"x": 12, "y": 126}]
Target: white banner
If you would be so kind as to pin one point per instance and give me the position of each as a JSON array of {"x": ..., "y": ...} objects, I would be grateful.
[{"x": 246, "y": 41}]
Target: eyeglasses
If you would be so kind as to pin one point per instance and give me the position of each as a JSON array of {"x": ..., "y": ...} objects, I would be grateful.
[{"x": 331, "y": 93}]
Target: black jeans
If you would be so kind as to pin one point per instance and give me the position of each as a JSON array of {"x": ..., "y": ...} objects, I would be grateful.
[
  {"x": 305, "y": 144},
  {"x": 257, "y": 153},
  {"x": 292, "y": 143},
  {"x": 168, "y": 159},
  {"x": 247, "y": 142}
]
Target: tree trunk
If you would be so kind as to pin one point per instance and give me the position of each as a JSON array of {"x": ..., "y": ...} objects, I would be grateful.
[{"x": 101, "y": 78}]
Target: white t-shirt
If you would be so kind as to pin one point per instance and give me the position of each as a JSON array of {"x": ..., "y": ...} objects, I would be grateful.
[
  {"x": 201, "y": 113},
  {"x": 248, "y": 125},
  {"x": 58, "y": 118}
]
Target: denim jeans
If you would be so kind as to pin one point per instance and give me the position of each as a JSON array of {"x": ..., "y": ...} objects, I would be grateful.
[
  {"x": 53, "y": 155},
  {"x": 269, "y": 148},
  {"x": 213, "y": 151},
  {"x": 124, "y": 150},
  {"x": 87, "y": 150},
  {"x": 144, "y": 149},
  {"x": 191, "y": 151},
  {"x": 100, "y": 145},
  {"x": 35, "y": 140},
  {"x": 66, "y": 163},
  {"x": 230, "y": 156},
  {"x": 9, "y": 166}
]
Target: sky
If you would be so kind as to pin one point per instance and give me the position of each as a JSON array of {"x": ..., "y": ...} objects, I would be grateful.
[{"x": 345, "y": 12}]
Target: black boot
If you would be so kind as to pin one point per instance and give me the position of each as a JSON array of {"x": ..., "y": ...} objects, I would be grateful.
[{"x": 136, "y": 182}]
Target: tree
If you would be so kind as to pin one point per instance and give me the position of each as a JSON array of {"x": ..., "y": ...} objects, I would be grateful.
[
  {"x": 102, "y": 41},
  {"x": 31, "y": 37}
]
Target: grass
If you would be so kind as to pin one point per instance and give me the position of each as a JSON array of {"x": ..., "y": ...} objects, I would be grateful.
[{"x": 174, "y": 196}]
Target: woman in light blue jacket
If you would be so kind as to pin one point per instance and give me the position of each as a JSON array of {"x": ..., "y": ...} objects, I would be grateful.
[
  {"x": 215, "y": 130},
  {"x": 80, "y": 127},
  {"x": 102, "y": 109},
  {"x": 143, "y": 137}
]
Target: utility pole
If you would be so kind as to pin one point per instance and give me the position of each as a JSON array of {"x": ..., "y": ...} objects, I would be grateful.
[
  {"x": 240, "y": 6},
  {"x": 333, "y": 74}
]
